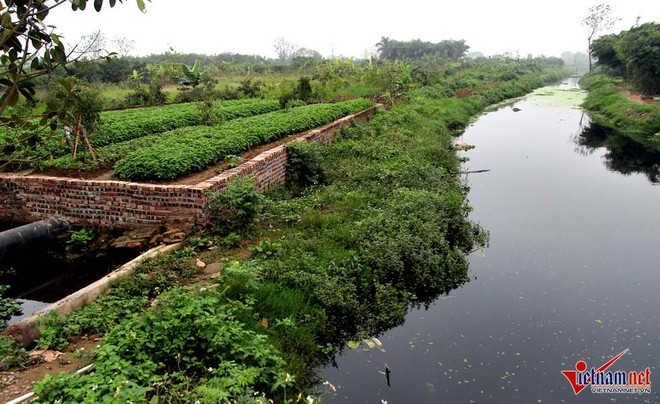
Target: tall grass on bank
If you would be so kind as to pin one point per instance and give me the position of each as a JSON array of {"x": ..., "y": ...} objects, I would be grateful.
[{"x": 609, "y": 107}]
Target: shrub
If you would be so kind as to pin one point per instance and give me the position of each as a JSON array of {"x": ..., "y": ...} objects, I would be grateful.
[
  {"x": 8, "y": 306},
  {"x": 11, "y": 354},
  {"x": 304, "y": 166},
  {"x": 235, "y": 208},
  {"x": 251, "y": 89},
  {"x": 81, "y": 237}
]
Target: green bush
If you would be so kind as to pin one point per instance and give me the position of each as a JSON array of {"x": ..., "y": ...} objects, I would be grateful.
[
  {"x": 303, "y": 165},
  {"x": 129, "y": 296},
  {"x": 235, "y": 208},
  {"x": 81, "y": 237},
  {"x": 11, "y": 354},
  {"x": 8, "y": 306}
]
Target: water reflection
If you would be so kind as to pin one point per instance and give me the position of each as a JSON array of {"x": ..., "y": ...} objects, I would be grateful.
[{"x": 624, "y": 155}]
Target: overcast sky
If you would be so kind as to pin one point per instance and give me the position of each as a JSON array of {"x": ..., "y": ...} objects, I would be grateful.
[{"x": 348, "y": 28}]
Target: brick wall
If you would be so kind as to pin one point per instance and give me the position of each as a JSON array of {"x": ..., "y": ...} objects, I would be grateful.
[{"x": 126, "y": 204}]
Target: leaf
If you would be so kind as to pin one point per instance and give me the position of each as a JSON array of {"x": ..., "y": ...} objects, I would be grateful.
[
  {"x": 68, "y": 84},
  {"x": 98, "y": 4},
  {"x": 141, "y": 6},
  {"x": 27, "y": 94},
  {"x": 12, "y": 96},
  {"x": 196, "y": 66},
  {"x": 353, "y": 344}
]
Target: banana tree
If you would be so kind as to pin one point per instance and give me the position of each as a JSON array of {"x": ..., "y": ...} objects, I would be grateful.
[{"x": 191, "y": 76}]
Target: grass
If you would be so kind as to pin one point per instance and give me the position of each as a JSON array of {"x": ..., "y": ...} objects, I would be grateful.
[{"x": 608, "y": 107}]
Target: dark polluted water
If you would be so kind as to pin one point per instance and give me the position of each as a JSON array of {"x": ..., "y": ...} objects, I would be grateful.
[
  {"x": 572, "y": 273},
  {"x": 43, "y": 273}
]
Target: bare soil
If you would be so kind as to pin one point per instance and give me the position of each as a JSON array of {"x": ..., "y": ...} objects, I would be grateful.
[
  {"x": 16, "y": 382},
  {"x": 638, "y": 98}
]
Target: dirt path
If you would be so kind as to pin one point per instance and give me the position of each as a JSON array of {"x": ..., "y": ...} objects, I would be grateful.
[
  {"x": 638, "y": 99},
  {"x": 15, "y": 383}
]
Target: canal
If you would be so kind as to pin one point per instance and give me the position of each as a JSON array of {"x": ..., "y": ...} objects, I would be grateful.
[{"x": 572, "y": 271}]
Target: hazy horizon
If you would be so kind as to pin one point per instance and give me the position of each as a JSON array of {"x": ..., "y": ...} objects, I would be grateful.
[{"x": 349, "y": 29}]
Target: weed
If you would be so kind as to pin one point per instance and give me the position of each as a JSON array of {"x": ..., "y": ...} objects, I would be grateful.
[
  {"x": 8, "y": 306},
  {"x": 80, "y": 238},
  {"x": 236, "y": 207},
  {"x": 11, "y": 354},
  {"x": 303, "y": 165},
  {"x": 232, "y": 240}
]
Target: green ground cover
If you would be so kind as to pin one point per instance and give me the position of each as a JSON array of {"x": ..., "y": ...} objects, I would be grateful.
[{"x": 609, "y": 107}]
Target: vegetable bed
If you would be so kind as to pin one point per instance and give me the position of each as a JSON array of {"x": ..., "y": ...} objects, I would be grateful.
[
  {"x": 144, "y": 127},
  {"x": 119, "y": 126},
  {"x": 191, "y": 149}
]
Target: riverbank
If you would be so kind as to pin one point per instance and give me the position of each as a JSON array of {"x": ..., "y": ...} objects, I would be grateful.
[
  {"x": 608, "y": 106},
  {"x": 567, "y": 276},
  {"x": 368, "y": 226}
]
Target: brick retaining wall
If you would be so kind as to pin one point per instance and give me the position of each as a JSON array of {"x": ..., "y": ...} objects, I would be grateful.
[{"x": 125, "y": 204}]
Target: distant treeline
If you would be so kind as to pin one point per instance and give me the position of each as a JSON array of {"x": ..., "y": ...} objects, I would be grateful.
[
  {"x": 119, "y": 69},
  {"x": 391, "y": 49},
  {"x": 168, "y": 66},
  {"x": 633, "y": 55}
]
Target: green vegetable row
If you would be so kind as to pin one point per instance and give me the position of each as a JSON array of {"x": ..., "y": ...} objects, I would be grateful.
[
  {"x": 119, "y": 126},
  {"x": 106, "y": 154},
  {"x": 194, "y": 148},
  {"x": 116, "y": 151}
]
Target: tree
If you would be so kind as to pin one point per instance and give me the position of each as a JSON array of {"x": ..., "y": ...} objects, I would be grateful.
[
  {"x": 600, "y": 19},
  {"x": 306, "y": 53},
  {"x": 92, "y": 46},
  {"x": 602, "y": 49},
  {"x": 191, "y": 76},
  {"x": 284, "y": 49},
  {"x": 123, "y": 45},
  {"x": 417, "y": 49},
  {"x": 75, "y": 109},
  {"x": 639, "y": 51},
  {"x": 29, "y": 48}
]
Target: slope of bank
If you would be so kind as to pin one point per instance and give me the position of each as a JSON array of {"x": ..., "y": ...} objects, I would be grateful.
[
  {"x": 368, "y": 226},
  {"x": 609, "y": 107}
]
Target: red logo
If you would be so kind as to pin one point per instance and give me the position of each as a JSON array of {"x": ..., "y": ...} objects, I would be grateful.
[{"x": 602, "y": 381}]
